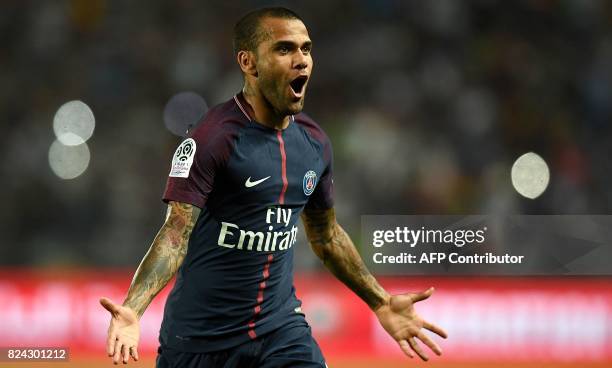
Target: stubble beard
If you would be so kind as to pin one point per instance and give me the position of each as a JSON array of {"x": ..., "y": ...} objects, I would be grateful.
[{"x": 275, "y": 96}]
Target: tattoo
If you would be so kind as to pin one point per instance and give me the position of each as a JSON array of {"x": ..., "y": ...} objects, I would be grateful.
[
  {"x": 164, "y": 257},
  {"x": 334, "y": 247}
]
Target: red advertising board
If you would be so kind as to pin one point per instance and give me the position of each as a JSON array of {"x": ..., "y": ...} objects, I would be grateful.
[{"x": 488, "y": 319}]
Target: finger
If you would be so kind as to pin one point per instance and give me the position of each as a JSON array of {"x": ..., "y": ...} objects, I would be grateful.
[
  {"x": 134, "y": 352},
  {"x": 430, "y": 343},
  {"x": 417, "y": 349},
  {"x": 406, "y": 348},
  {"x": 117, "y": 355},
  {"x": 435, "y": 329},
  {"x": 423, "y": 295},
  {"x": 125, "y": 352},
  {"x": 109, "y": 305},
  {"x": 110, "y": 344}
]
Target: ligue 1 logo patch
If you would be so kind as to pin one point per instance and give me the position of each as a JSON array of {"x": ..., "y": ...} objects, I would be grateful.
[
  {"x": 310, "y": 182},
  {"x": 183, "y": 159}
]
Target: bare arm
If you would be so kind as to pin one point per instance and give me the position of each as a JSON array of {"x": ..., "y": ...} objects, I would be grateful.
[
  {"x": 335, "y": 248},
  {"x": 161, "y": 262},
  {"x": 394, "y": 312},
  {"x": 164, "y": 257}
]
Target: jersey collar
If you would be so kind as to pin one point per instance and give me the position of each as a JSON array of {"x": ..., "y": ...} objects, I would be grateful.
[{"x": 246, "y": 108}]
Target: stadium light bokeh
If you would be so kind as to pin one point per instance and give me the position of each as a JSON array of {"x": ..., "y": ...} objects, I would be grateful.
[
  {"x": 530, "y": 175},
  {"x": 68, "y": 162},
  {"x": 73, "y": 125},
  {"x": 183, "y": 111}
]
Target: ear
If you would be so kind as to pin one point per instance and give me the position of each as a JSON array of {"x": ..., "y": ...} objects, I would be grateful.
[{"x": 247, "y": 62}]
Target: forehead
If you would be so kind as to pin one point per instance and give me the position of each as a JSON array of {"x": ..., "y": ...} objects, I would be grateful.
[{"x": 277, "y": 29}]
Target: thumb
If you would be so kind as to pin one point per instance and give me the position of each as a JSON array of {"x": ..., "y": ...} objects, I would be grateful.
[
  {"x": 422, "y": 295},
  {"x": 402, "y": 301},
  {"x": 109, "y": 305}
]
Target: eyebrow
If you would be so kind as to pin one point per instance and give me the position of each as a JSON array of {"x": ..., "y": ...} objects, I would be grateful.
[{"x": 291, "y": 44}]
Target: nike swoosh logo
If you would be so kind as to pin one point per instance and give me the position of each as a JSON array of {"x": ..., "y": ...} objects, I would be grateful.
[{"x": 248, "y": 183}]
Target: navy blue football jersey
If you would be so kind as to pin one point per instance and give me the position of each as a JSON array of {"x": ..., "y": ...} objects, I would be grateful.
[{"x": 251, "y": 182}]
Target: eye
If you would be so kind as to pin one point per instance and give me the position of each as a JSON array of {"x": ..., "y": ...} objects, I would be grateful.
[
  {"x": 283, "y": 50},
  {"x": 306, "y": 49}
]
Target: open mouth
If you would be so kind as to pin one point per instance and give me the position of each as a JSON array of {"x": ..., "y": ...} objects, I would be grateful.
[{"x": 297, "y": 85}]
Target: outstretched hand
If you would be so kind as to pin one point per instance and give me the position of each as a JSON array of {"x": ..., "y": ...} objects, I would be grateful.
[
  {"x": 401, "y": 321},
  {"x": 123, "y": 332}
]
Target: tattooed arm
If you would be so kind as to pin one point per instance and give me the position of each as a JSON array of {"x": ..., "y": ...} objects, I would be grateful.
[
  {"x": 157, "y": 268},
  {"x": 333, "y": 246},
  {"x": 164, "y": 257},
  {"x": 395, "y": 312}
]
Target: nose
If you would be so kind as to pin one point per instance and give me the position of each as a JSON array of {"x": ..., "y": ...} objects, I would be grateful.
[{"x": 300, "y": 61}]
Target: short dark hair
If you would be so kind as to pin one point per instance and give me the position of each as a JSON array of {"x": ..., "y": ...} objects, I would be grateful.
[{"x": 247, "y": 33}]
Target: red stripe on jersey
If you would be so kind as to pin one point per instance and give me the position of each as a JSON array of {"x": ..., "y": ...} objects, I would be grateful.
[
  {"x": 281, "y": 142},
  {"x": 260, "y": 297}
]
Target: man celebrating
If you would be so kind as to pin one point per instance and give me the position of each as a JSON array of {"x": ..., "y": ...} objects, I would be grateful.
[{"x": 235, "y": 192}]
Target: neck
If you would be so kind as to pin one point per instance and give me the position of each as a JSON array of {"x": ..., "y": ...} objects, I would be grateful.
[{"x": 263, "y": 112}]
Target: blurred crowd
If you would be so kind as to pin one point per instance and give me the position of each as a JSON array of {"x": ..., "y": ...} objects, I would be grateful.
[{"x": 427, "y": 103}]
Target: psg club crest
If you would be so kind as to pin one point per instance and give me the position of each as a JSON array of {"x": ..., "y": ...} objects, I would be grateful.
[{"x": 310, "y": 181}]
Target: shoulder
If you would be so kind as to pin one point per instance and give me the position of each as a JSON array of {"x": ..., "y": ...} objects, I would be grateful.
[
  {"x": 313, "y": 129},
  {"x": 220, "y": 126}
]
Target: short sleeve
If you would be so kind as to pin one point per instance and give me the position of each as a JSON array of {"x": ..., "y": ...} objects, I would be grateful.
[
  {"x": 323, "y": 195},
  {"x": 195, "y": 163}
]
